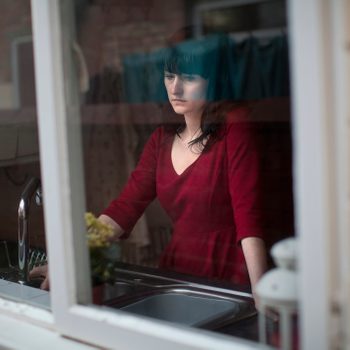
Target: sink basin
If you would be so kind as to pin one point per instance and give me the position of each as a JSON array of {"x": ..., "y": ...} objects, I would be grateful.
[
  {"x": 178, "y": 302},
  {"x": 191, "y": 310}
]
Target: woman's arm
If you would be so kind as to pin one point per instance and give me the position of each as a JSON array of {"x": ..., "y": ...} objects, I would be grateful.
[
  {"x": 139, "y": 191},
  {"x": 256, "y": 259},
  {"x": 244, "y": 169}
]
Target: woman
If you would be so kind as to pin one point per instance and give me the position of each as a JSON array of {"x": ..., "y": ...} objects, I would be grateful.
[{"x": 204, "y": 171}]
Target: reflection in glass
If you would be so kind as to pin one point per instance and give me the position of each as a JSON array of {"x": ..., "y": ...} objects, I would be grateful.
[{"x": 180, "y": 216}]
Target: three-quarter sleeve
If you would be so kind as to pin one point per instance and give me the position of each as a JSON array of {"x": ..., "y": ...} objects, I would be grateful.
[
  {"x": 139, "y": 190},
  {"x": 244, "y": 183}
]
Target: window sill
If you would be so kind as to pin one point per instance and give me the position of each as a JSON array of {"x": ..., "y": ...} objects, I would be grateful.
[{"x": 18, "y": 334}]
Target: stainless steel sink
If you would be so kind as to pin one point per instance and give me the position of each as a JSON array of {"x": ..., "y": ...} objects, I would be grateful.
[
  {"x": 192, "y": 307},
  {"x": 174, "y": 306},
  {"x": 178, "y": 301}
]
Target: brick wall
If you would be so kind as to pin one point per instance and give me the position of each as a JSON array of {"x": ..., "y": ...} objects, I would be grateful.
[{"x": 108, "y": 30}]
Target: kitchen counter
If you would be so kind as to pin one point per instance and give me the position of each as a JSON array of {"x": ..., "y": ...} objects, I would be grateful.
[
  {"x": 23, "y": 293},
  {"x": 246, "y": 328}
]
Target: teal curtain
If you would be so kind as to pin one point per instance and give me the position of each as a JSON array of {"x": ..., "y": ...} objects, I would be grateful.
[
  {"x": 154, "y": 68},
  {"x": 247, "y": 78},
  {"x": 135, "y": 78},
  {"x": 251, "y": 69},
  {"x": 273, "y": 58}
]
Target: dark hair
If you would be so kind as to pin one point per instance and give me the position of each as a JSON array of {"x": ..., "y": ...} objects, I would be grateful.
[{"x": 208, "y": 57}]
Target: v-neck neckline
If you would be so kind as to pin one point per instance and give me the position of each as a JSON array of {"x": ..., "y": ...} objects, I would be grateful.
[{"x": 172, "y": 163}]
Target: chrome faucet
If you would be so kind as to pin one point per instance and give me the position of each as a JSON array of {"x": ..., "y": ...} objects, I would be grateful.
[{"x": 31, "y": 188}]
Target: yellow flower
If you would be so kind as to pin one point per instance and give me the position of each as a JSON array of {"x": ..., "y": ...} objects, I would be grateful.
[
  {"x": 104, "y": 252},
  {"x": 98, "y": 234}
]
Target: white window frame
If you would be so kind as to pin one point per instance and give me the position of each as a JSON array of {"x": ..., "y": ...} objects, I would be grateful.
[
  {"x": 321, "y": 167},
  {"x": 321, "y": 174}
]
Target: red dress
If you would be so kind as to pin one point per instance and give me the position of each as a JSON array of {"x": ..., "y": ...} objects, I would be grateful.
[{"x": 213, "y": 204}]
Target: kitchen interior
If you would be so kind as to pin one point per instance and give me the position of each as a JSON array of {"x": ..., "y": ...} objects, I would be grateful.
[{"x": 120, "y": 107}]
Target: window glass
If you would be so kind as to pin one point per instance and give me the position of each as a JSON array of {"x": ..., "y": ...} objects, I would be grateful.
[
  {"x": 22, "y": 234},
  {"x": 187, "y": 155},
  {"x": 162, "y": 75}
]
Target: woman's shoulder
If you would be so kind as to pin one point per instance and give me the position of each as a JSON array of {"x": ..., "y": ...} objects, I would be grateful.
[
  {"x": 239, "y": 123},
  {"x": 238, "y": 114}
]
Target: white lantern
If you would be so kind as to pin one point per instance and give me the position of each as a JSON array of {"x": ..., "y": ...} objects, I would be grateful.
[{"x": 277, "y": 291}]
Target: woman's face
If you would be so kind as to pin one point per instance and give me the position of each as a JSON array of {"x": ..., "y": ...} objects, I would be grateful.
[{"x": 186, "y": 92}]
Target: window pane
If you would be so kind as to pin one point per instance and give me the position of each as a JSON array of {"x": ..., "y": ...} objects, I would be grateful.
[
  {"x": 22, "y": 233},
  {"x": 187, "y": 148}
]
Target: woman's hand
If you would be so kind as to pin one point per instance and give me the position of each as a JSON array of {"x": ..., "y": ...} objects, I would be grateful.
[
  {"x": 117, "y": 230},
  {"x": 41, "y": 272}
]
